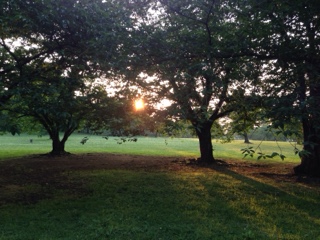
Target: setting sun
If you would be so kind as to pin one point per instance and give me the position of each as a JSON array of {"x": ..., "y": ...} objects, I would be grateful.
[{"x": 139, "y": 104}]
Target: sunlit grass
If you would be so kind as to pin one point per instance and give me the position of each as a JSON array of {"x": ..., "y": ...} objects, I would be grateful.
[
  {"x": 17, "y": 146},
  {"x": 190, "y": 203},
  {"x": 233, "y": 150},
  {"x": 195, "y": 204}
]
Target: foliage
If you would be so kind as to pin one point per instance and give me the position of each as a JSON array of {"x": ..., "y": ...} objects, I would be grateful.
[
  {"x": 247, "y": 117},
  {"x": 211, "y": 59},
  {"x": 50, "y": 50},
  {"x": 178, "y": 128},
  {"x": 190, "y": 64},
  {"x": 288, "y": 44},
  {"x": 267, "y": 132},
  {"x": 250, "y": 151},
  {"x": 7, "y": 124},
  {"x": 12, "y": 123}
]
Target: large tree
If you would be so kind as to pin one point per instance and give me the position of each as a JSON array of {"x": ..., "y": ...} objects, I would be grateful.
[
  {"x": 285, "y": 36},
  {"x": 188, "y": 50},
  {"x": 50, "y": 51}
]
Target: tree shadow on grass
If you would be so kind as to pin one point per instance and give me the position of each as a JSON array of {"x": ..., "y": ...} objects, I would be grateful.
[
  {"x": 204, "y": 202},
  {"x": 293, "y": 202},
  {"x": 29, "y": 183}
]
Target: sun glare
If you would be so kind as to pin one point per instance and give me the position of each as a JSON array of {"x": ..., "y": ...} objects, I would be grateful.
[{"x": 139, "y": 104}]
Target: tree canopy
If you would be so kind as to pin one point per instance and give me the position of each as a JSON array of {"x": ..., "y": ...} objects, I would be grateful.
[
  {"x": 188, "y": 52},
  {"x": 285, "y": 36},
  {"x": 51, "y": 51},
  {"x": 210, "y": 58}
]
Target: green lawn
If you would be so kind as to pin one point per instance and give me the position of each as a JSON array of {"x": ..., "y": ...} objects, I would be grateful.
[
  {"x": 123, "y": 204},
  {"x": 190, "y": 203},
  {"x": 15, "y": 146}
]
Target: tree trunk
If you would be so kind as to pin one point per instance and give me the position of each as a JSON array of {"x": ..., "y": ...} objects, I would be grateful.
[
  {"x": 57, "y": 146},
  {"x": 246, "y": 138},
  {"x": 310, "y": 161},
  {"x": 205, "y": 142}
]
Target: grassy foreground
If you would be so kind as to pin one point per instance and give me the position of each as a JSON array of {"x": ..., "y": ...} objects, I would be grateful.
[
  {"x": 190, "y": 203},
  {"x": 17, "y": 146},
  {"x": 162, "y": 205}
]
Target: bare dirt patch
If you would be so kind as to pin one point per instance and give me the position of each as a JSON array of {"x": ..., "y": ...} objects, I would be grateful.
[{"x": 32, "y": 178}]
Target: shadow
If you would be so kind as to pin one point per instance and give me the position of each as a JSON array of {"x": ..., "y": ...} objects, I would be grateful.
[
  {"x": 292, "y": 197},
  {"x": 30, "y": 181},
  {"x": 190, "y": 202}
]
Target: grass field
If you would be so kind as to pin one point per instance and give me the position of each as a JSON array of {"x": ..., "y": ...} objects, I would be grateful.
[
  {"x": 156, "y": 205},
  {"x": 16, "y": 146},
  {"x": 188, "y": 203}
]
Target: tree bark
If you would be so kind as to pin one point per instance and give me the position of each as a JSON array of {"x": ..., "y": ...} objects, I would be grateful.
[
  {"x": 310, "y": 161},
  {"x": 246, "y": 138},
  {"x": 58, "y": 146},
  {"x": 205, "y": 143}
]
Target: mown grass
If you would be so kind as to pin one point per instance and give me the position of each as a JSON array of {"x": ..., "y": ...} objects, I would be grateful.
[
  {"x": 17, "y": 146},
  {"x": 190, "y": 203},
  {"x": 124, "y": 204}
]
